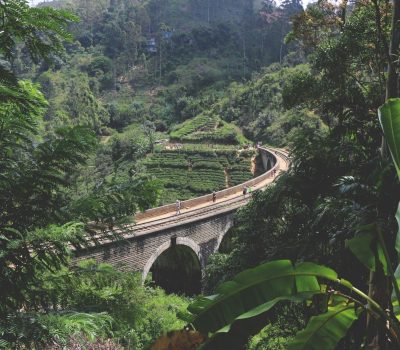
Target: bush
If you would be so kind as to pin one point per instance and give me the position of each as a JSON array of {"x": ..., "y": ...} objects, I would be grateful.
[
  {"x": 111, "y": 304},
  {"x": 160, "y": 125},
  {"x": 207, "y": 165}
]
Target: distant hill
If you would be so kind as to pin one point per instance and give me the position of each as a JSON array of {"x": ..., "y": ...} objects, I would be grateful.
[{"x": 159, "y": 60}]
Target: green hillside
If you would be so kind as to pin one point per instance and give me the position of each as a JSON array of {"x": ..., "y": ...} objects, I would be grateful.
[
  {"x": 159, "y": 60},
  {"x": 209, "y": 129}
]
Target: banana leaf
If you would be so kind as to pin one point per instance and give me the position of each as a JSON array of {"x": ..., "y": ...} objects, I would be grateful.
[
  {"x": 326, "y": 330},
  {"x": 397, "y": 244},
  {"x": 255, "y": 291},
  {"x": 389, "y": 117},
  {"x": 361, "y": 247}
]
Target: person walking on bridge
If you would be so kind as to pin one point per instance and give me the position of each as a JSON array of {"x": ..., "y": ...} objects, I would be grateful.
[
  {"x": 214, "y": 196},
  {"x": 178, "y": 206}
]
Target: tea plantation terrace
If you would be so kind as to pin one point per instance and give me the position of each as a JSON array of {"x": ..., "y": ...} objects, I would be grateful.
[{"x": 190, "y": 172}]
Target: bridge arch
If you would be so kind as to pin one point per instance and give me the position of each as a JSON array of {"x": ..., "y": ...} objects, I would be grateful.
[{"x": 163, "y": 247}]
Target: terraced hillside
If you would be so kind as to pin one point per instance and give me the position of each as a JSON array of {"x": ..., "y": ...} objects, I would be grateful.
[
  {"x": 189, "y": 172},
  {"x": 205, "y": 128}
]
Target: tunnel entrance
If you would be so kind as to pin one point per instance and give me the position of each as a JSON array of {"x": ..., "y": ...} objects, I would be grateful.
[{"x": 177, "y": 270}]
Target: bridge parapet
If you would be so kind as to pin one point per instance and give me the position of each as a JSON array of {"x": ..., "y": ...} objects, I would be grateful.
[{"x": 190, "y": 203}]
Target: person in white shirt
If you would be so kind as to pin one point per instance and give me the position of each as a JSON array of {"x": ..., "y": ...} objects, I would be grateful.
[{"x": 178, "y": 206}]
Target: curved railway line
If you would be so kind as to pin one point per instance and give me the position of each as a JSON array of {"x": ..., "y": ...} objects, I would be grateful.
[{"x": 223, "y": 205}]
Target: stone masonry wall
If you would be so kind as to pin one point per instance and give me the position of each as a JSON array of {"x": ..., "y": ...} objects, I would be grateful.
[{"x": 133, "y": 254}]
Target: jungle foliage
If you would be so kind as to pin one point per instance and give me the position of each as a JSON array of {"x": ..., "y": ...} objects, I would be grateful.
[{"x": 41, "y": 219}]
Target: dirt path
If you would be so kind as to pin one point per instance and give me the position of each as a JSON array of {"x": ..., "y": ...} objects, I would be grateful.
[
  {"x": 253, "y": 165},
  {"x": 226, "y": 178}
]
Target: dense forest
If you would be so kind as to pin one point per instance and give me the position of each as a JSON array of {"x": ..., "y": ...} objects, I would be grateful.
[{"x": 111, "y": 107}]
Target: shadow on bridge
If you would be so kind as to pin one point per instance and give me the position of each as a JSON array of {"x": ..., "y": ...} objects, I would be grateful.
[{"x": 177, "y": 270}]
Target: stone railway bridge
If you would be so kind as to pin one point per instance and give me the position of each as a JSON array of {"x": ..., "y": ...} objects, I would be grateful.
[{"x": 201, "y": 225}]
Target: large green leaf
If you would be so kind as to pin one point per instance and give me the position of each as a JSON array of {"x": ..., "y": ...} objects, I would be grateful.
[
  {"x": 258, "y": 310},
  {"x": 255, "y": 291},
  {"x": 395, "y": 301},
  {"x": 397, "y": 244},
  {"x": 396, "y": 309},
  {"x": 361, "y": 247},
  {"x": 325, "y": 331},
  {"x": 389, "y": 116}
]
